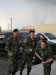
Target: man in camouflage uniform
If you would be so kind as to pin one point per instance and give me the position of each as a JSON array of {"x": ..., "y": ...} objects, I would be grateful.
[
  {"x": 28, "y": 53},
  {"x": 12, "y": 46},
  {"x": 45, "y": 54}
]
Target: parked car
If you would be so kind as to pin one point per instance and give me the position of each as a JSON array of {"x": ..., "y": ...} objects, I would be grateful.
[{"x": 5, "y": 36}]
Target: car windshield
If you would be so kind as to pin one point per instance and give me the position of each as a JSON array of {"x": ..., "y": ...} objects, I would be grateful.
[
  {"x": 23, "y": 35},
  {"x": 50, "y": 35}
]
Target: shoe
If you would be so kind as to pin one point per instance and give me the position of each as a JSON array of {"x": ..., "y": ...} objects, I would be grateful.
[
  {"x": 20, "y": 73},
  {"x": 27, "y": 73}
]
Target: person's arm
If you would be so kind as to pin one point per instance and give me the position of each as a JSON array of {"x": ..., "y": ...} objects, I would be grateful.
[
  {"x": 7, "y": 47},
  {"x": 48, "y": 61},
  {"x": 38, "y": 56},
  {"x": 50, "y": 54}
]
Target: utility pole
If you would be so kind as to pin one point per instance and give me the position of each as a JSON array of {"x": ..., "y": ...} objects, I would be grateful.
[
  {"x": 8, "y": 26},
  {"x": 11, "y": 23}
]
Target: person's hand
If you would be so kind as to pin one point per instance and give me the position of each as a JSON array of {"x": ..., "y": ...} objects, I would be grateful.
[
  {"x": 10, "y": 54},
  {"x": 41, "y": 59},
  {"x": 43, "y": 62}
]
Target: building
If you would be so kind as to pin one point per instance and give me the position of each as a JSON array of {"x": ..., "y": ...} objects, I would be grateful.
[
  {"x": 47, "y": 28},
  {"x": 27, "y": 28},
  {"x": 51, "y": 28}
]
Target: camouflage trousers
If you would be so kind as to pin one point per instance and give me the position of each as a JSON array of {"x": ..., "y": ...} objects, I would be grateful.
[
  {"x": 13, "y": 64},
  {"x": 26, "y": 60},
  {"x": 47, "y": 69}
]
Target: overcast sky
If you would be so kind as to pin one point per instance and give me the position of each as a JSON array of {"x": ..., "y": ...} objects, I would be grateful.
[{"x": 27, "y": 12}]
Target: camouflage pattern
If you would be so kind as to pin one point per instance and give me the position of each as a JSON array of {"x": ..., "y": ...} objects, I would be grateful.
[
  {"x": 12, "y": 45},
  {"x": 46, "y": 54},
  {"x": 28, "y": 54}
]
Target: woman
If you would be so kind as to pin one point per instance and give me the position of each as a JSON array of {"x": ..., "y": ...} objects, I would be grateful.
[{"x": 45, "y": 54}]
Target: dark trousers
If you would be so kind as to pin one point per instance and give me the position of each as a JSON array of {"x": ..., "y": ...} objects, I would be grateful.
[
  {"x": 28, "y": 62},
  {"x": 47, "y": 69}
]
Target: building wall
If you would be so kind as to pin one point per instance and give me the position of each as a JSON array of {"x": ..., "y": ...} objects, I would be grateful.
[
  {"x": 47, "y": 28},
  {"x": 27, "y": 28}
]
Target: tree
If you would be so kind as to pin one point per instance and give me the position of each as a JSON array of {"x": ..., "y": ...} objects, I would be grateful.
[{"x": 0, "y": 29}]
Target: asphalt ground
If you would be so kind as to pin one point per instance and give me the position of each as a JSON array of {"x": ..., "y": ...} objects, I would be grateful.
[
  {"x": 36, "y": 69},
  {"x": 3, "y": 64}
]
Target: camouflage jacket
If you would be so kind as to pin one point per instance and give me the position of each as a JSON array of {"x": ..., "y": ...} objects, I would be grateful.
[
  {"x": 12, "y": 45},
  {"x": 46, "y": 53},
  {"x": 30, "y": 46}
]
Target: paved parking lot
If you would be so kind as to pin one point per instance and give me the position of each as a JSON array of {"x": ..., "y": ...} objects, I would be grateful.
[
  {"x": 3, "y": 67},
  {"x": 3, "y": 64},
  {"x": 36, "y": 70}
]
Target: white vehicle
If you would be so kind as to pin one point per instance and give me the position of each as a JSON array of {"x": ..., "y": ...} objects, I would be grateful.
[{"x": 48, "y": 36}]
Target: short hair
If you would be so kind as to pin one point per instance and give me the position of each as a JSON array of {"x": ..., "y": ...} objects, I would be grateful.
[
  {"x": 32, "y": 31},
  {"x": 44, "y": 41},
  {"x": 15, "y": 30}
]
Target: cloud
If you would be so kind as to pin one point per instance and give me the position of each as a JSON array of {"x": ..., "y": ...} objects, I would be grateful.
[
  {"x": 27, "y": 12},
  {"x": 48, "y": 2}
]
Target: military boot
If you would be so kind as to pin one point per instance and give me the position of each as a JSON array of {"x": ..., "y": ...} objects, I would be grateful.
[
  {"x": 13, "y": 73},
  {"x": 20, "y": 72},
  {"x": 28, "y": 73}
]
